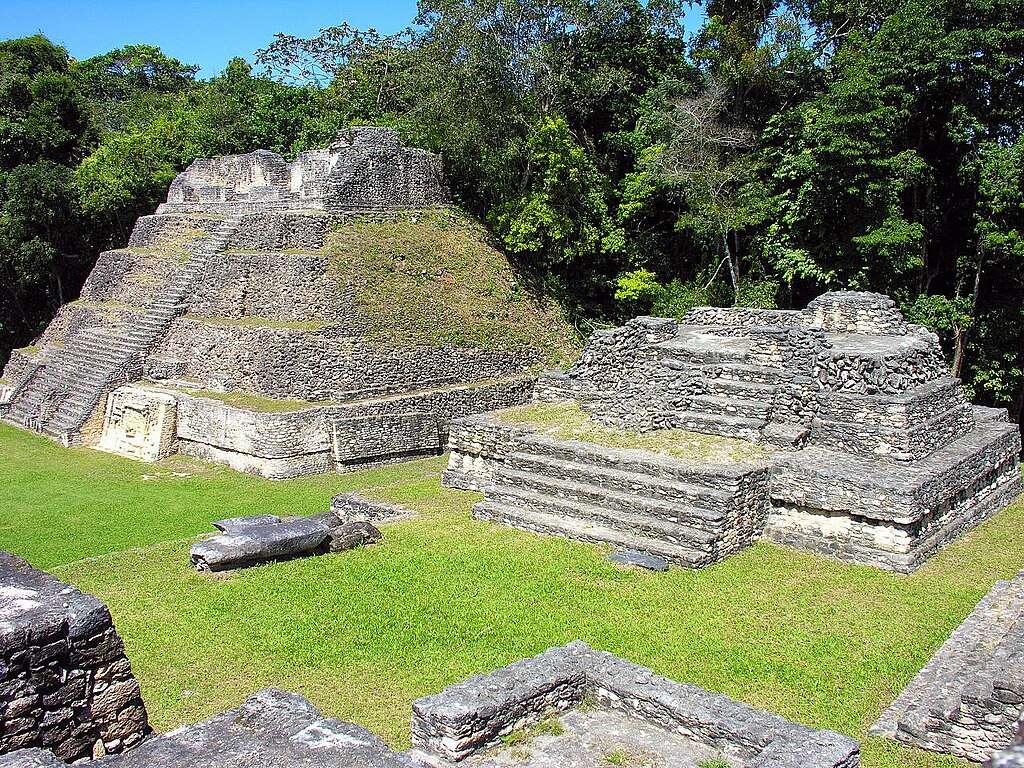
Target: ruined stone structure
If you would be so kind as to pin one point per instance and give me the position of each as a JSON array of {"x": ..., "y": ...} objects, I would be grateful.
[
  {"x": 272, "y": 729},
  {"x": 877, "y": 457},
  {"x": 65, "y": 683},
  {"x": 686, "y": 512},
  {"x": 968, "y": 699},
  {"x": 235, "y": 286},
  {"x": 469, "y": 718},
  {"x": 628, "y": 709}
]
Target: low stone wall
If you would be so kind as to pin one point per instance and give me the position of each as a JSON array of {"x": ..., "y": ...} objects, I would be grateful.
[
  {"x": 354, "y": 507},
  {"x": 968, "y": 699},
  {"x": 476, "y": 714},
  {"x": 65, "y": 683}
]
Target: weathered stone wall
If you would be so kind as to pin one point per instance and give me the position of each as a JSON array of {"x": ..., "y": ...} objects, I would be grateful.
[
  {"x": 473, "y": 715},
  {"x": 968, "y": 699},
  {"x": 65, "y": 683},
  {"x": 857, "y": 312},
  {"x": 324, "y": 364},
  {"x": 476, "y": 445},
  {"x": 139, "y": 424},
  {"x": 307, "y": 441}
]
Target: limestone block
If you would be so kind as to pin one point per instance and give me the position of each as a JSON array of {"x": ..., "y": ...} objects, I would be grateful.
[{"x": 139, "y": 424}]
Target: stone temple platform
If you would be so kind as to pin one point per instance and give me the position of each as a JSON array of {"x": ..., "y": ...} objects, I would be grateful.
[
  {"x": 239, "y": 324},
  {"x": 968, "y": 699},
  {"x": 874, "y": 454}
]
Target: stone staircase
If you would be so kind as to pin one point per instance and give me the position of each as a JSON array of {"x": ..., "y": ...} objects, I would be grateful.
[
  {"x": 968, "y": 698},
  {"x": 686, "y": 513},
  {"x": 734, "y": 394},
  {"x": 58, "y": 399}
]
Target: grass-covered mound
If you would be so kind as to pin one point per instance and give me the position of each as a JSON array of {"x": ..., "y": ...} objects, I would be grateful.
[
  {"x": 431, "y": 278},
  {"x": 570, "y": 422},
  {"x": 364, "y": 633}
]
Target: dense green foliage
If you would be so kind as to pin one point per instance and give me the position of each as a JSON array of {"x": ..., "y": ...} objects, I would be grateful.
[
  {"x": 784, "y": 150},
  {"x": 443, "y": 597}
]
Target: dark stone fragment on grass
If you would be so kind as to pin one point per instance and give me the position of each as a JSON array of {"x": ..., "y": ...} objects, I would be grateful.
[
  {"x": 638, "y": 559},
  {"x": 351, "y": 535},
  {"x": 235, "y": 524},
  {"x": 259, "y": 544}
]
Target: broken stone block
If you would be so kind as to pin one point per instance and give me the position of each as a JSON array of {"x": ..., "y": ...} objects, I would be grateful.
[
  {"x": 358, "y": 533},
  {"x": 259, "y": 544}
]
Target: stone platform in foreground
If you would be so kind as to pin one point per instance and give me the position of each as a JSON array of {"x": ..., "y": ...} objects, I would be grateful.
[
  {"x": 468, "y": 719},
  {"x": 968, "y": 699},
  {"x": 875, "y": 455},
  {"x": 65, "y": 682},
  {"x": 606, "y": 707}
]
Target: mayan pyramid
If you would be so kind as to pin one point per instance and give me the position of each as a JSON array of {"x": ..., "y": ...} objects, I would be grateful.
[{"x": 289, "y": 317}]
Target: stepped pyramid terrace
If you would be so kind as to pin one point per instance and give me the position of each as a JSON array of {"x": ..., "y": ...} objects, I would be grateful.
[
  {"x": 287, "y": 318},
  {"x": 836, "y": 429}
]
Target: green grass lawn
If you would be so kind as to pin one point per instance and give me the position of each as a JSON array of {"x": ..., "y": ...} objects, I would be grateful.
[{"x": 365, "y": 632}]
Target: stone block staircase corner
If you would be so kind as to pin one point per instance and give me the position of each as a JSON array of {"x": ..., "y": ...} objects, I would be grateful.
[
  {"x": 63, "y": 395},
  {"x": 689, "y": 515}
]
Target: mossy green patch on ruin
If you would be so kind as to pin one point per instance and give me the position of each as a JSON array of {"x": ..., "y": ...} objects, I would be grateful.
[
  {"x": 258, "y": 322},
  {"x": 570, "y": 422},
  {"x": 250, "y": 402},
  {"x": 430, "y": 278},
  {"x": 31, "y": 350}
]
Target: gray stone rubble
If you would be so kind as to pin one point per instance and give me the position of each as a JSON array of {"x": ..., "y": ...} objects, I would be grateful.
[
  {"x": 272, "y": 729},
  {"x": 65, "y": 682},
  {"x": 968, "y": 699},
  {"x": 878, "y": 458}
]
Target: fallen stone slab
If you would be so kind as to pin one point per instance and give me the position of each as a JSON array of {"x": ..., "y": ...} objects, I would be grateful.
[
  {"x": 272, "y": 729},
  {"x": 259, "y": 544},
  {"x": 233, "y": 524},
  {"x": 638, "y": 559}
]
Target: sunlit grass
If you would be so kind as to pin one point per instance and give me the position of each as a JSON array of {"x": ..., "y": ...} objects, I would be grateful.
[{"x": 364, "y": 633}]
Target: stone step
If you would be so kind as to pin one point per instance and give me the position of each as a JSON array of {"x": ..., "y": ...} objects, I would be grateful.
[
  {"x": 717, "y": 424},
  {"x": 729, "y": 406},
  {"x": 604, "y": 515},
  {"x": 681, "y": 509},
  {"x": 539, "y": 522},
  {"x": 624, "y": 481},
  {"x": 747, "y": 390},
  {"x": 744, "y": 372},
  {"x": 648, "y": 464}
]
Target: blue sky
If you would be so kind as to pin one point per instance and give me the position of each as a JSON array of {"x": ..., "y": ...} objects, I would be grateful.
[{"x": 203, "y": 32}]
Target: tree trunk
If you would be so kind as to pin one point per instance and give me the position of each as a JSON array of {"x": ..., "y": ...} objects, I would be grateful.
[{"x": 734, "y": 273}]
